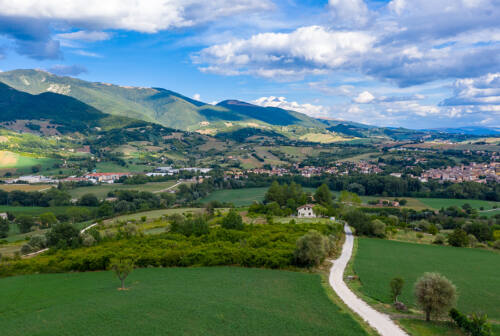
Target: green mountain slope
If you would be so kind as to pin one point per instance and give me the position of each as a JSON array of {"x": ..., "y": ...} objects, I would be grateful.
[
  {"x": 67, "y": 114},
  {"x": 151, "y": 104}
]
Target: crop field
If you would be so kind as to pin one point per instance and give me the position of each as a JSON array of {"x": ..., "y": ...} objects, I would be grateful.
[
  {"x": 23, "y": 163},
  {"x": 172, "y": 301},
  {"x": 102, "y": 190},
  {"x": 473, "y": 271},
  {"x": 25, "y": 187},
  {"x": 241, "y": 197},
  {"x": 111, "y": 167}
]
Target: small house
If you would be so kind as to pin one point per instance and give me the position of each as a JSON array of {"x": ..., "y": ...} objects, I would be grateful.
[{"x": 306, "y": 211}]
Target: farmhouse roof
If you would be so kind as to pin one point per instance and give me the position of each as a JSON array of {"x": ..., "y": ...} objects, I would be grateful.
[{"x": 305, "y": 206}]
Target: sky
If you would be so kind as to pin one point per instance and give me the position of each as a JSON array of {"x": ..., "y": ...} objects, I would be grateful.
[{"x": 409, "y": 63}]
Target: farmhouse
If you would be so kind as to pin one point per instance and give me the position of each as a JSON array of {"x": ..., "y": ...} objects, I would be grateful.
[{"x": 306, "y": 211}]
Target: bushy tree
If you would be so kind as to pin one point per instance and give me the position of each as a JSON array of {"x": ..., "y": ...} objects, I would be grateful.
[
  {"x": 311, "y": 249},
  {"x": 89, "y": 200},
  {"x": 232, "y": 221},
  {"x": 63, "y": 235},
  {"x": 378, "y": 228},
  {"x": 48, "y": 219},
  {"x": 4, "y": 228},
  {"x": 435, "y": 294},
  {"x": 25, "y": 223},
  {"x": 323, "y": 195},
  {"x": 396, "y": 285},
  {"x": 458, "y": 238}
]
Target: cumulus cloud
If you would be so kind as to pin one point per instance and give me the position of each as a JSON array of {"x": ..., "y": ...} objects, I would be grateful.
[
  {"x": 197, "y": 96},
  {"x": 67, "y": 70},
  {"x": 307, "y": 50},
  {"x": 364, "y": 97},
  {"x": 148, "y": 16},
  {"x": 484, "y": 90},
  {"x": 29, "y": 22},
  {"x": 406, "y": 42},
  {"x": 281, "y": 102}
]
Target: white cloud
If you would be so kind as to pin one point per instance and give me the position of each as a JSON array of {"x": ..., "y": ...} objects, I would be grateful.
[
  {"x": 307, "y": 50},
  {"x": 86, "y": 36},
  {"x": 281, "y": 102},
  {"x": 148, "y": 16},
  {"x": 364, "y": 97},
  {"x": 86, "y": 53},
  {"x": 196, "y": 96},
  {"x": 484, "y": 90}
]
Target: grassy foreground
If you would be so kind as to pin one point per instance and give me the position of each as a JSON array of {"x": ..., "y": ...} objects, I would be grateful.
[
  {"x": 475, "y": 272},
  {"x": 172, "y": 301}
]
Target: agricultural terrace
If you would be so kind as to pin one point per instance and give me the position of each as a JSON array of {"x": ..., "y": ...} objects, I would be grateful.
[
  {"x": 172, "y": 301},
  {"x": 473, "y": 271}
]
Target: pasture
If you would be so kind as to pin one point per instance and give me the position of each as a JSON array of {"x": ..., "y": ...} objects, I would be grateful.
[
  {"x": 101, "y": 191},
  {"x": 473, "y": 271},
  {"x": 26, "y": 187},
  {"x": 438, "y": 203},
  {"x": 23, "y": 163},
  {"x": 172, "y": 301},
  {"x": 241, "y": 197}
]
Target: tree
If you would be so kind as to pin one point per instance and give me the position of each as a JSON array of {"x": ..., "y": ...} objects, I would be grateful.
[
  {"x": 4, "y": 228},
  {"x": 25, "y": 223},
  {"x": 232, "y": 221},
  {"x": 63, "y": 235},
  {"x": 311, "y": 249},
  {"x": 458, "y": 238},
  {"x": 378, "y": 228},
  {"x": 89, "y": 200},
  {"x": 48, "y": 219},
  {"x": 435, "y": 294},
  {"x": 122, "y": 266},
  {"x": 323, "y": 195},
  {"x": 396, "y": 288}
]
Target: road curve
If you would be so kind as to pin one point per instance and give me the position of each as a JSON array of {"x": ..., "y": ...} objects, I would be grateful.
[{"x": 378, "y": 321}]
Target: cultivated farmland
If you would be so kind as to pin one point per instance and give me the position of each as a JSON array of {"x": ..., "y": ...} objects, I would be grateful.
[
  {"x": 172, "y": 301},
  {"x": 475, "y": 272}
]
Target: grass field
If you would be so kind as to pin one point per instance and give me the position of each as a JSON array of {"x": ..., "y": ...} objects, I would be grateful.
[
  {"x": 241, "y": 197},
  {"x": 154, "y": 214},
  {"x": 172, "y": 301},
  {"x": 102, "y": 190},
  {"x": 23, "y": 163},
  {"x": 438, "y": 203},
  {"x": 475, "y": 272}
]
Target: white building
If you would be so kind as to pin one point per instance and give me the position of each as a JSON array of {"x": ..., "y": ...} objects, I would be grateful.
[{"x": 306, "y": 211}]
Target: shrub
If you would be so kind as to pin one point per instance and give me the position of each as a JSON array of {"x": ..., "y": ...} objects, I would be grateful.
[
  {"x": 439, "y": 240},
  {"x": 396, "y": 285},
  {"x": 496, "y": 244},
  {"x": 62, "y": 236},
  {"x": 311, "y": 249},
  {"x": 435, "y": 294},
  {"x": 476, "y": 325},
  {"x": 26, "y": 248}
]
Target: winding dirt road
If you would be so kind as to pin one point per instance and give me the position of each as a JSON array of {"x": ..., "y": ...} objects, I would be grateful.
[{"x": 380, "y": 322}]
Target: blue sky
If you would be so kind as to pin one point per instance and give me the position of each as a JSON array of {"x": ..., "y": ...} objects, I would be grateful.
[{"x": 410, "y": 63}]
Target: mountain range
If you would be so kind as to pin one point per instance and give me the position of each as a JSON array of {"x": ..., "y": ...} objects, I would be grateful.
[{"x": 37, "y": 94}]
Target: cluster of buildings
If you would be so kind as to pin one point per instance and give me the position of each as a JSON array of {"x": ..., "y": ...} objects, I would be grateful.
[
  {"x": 163, "y": 171},
  {"x": 476, "y": 172}
]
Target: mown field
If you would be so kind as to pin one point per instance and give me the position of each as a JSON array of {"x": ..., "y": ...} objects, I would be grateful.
[
  {"x": 241, "y": 197},
  {"x": 438, "y": 203},
  {"x": 26, "y": 187},
  {"x": 172, "y": 301},
  {"x": 475, "y": 272},
  {"x": 102, "y": 190}
]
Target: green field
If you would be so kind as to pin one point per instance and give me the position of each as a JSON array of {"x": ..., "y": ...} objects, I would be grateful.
[
  {"x": 102, "y": 190},
  {"x": 155, "y": 214},
  {"x": 241, "y": 197},
  {"x": 172, "y": 301},
  {"x": 438, "y": 203},
  {"x": 111, "y": 167},
  {"x": 475, "y": 272}
]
